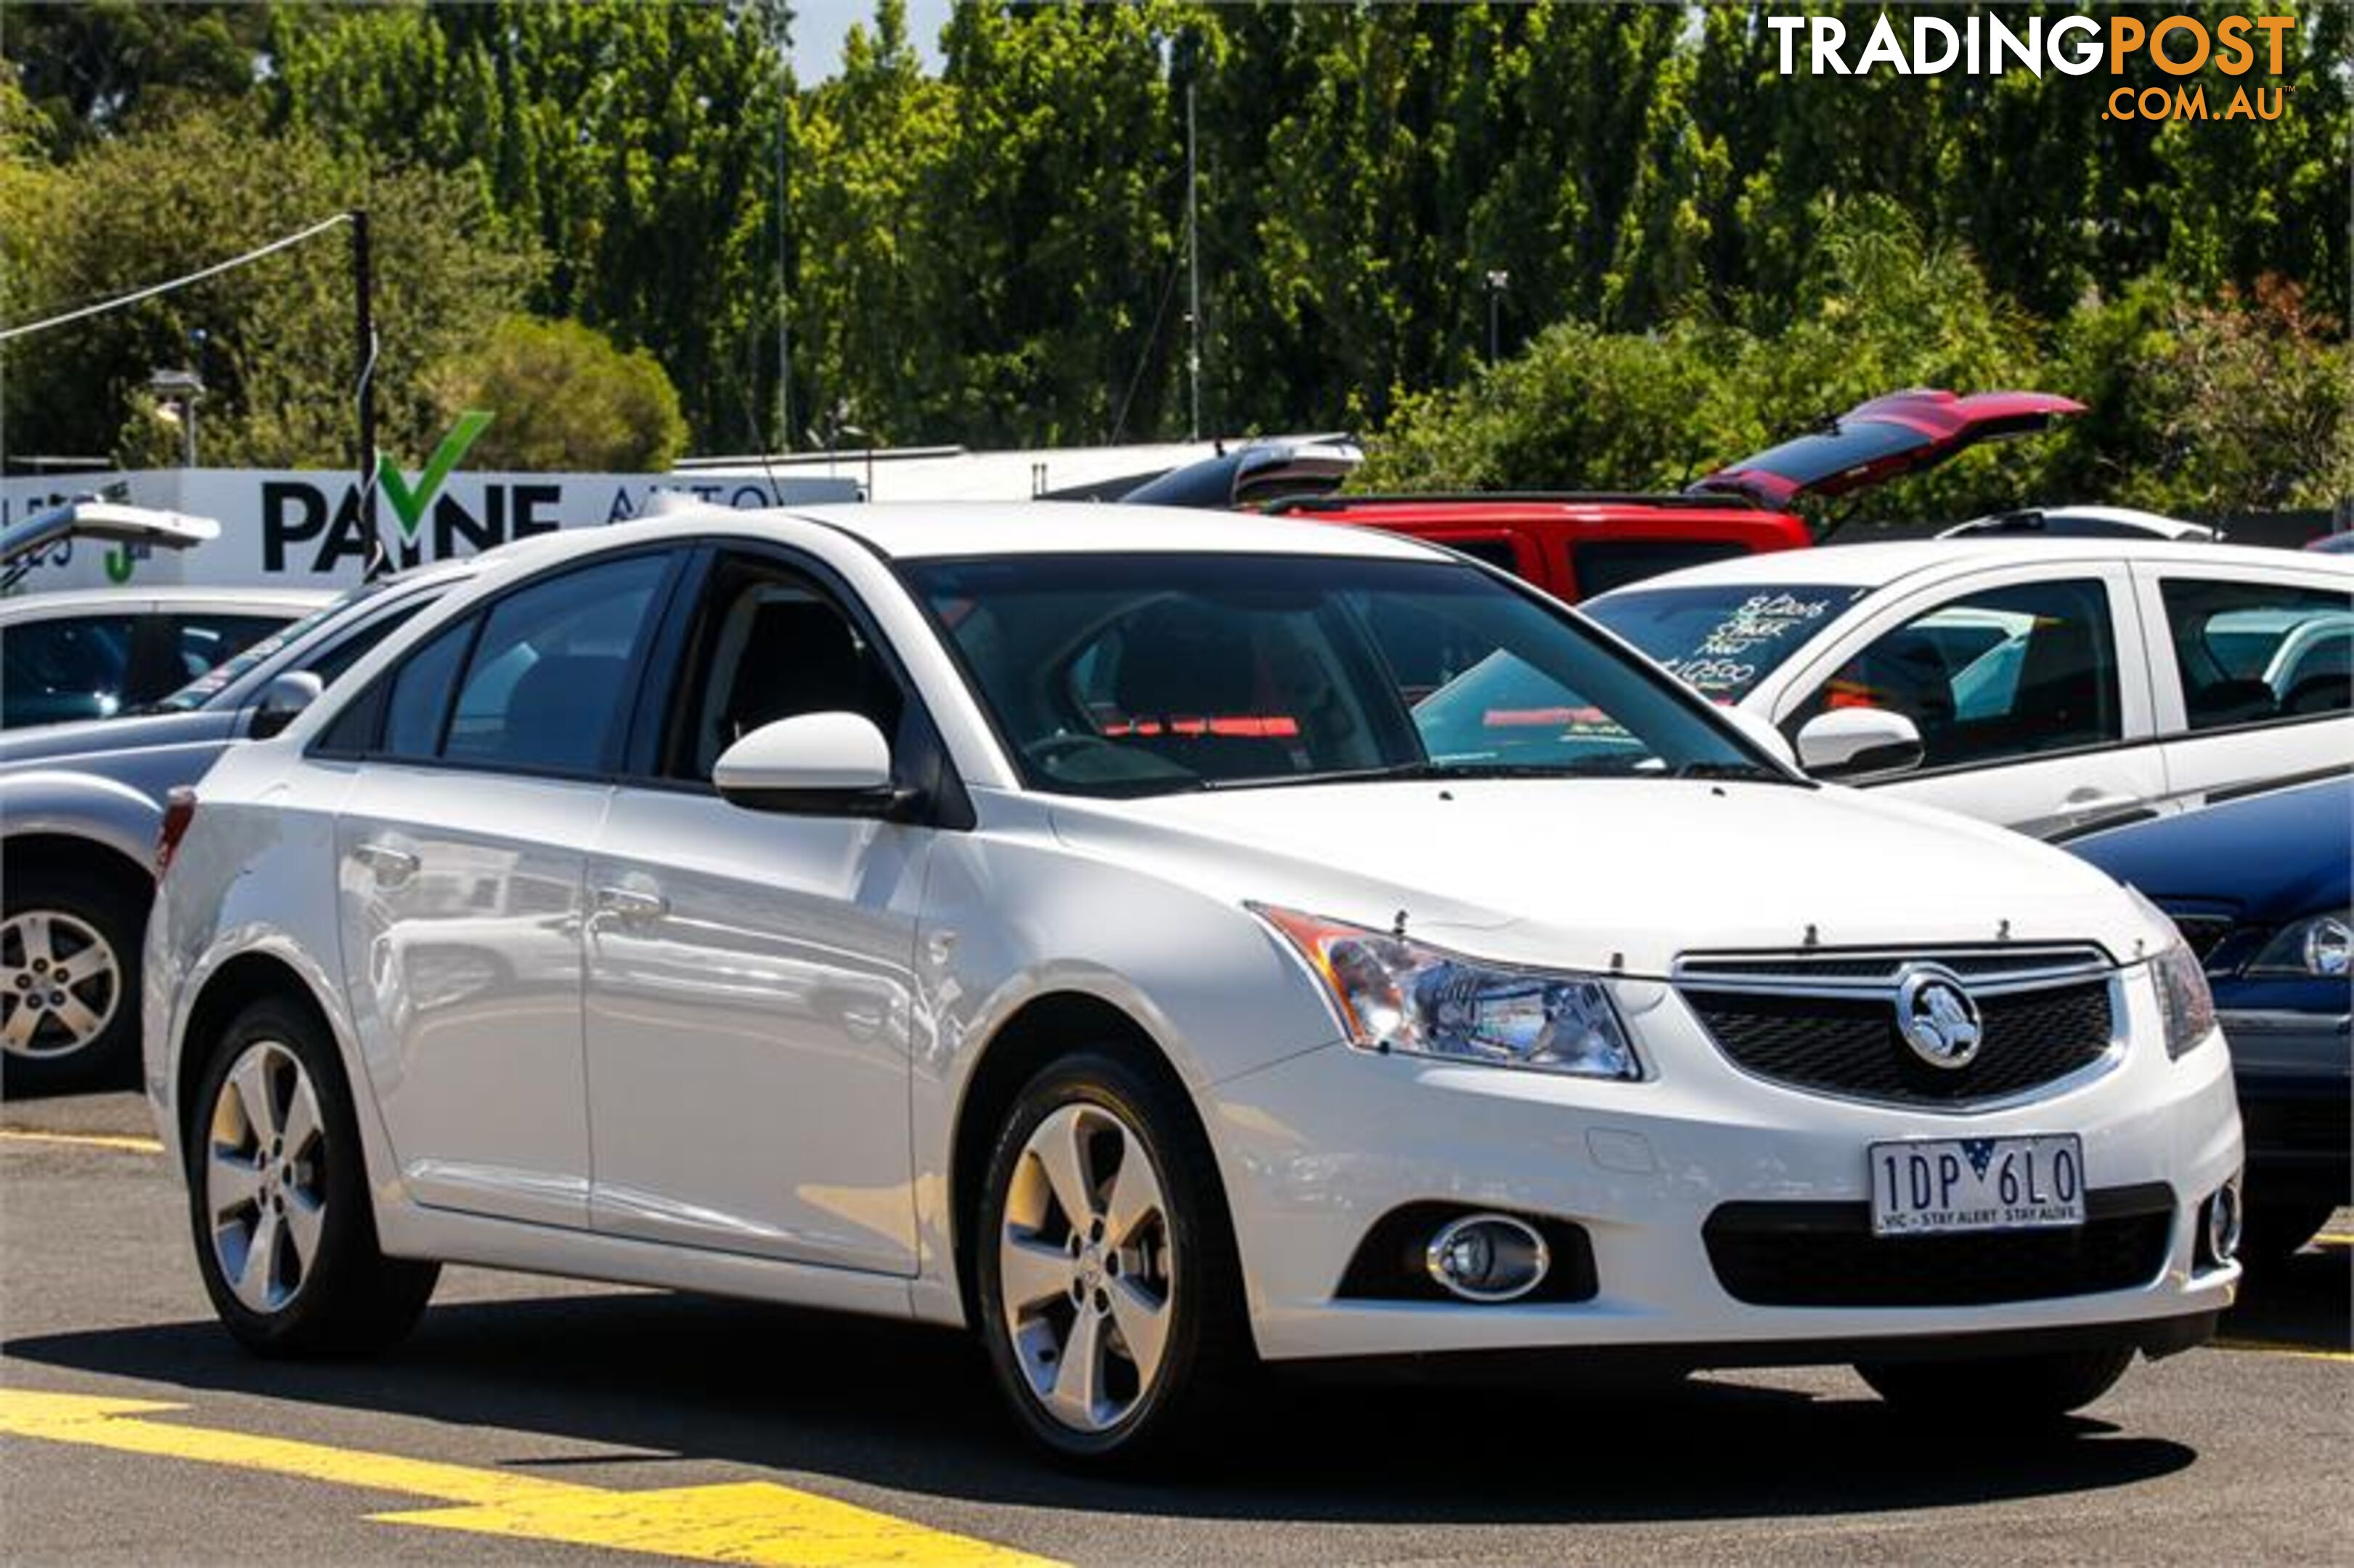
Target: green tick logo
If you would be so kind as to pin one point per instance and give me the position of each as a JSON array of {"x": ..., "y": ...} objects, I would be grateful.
[{"x": 410, "y": 505}]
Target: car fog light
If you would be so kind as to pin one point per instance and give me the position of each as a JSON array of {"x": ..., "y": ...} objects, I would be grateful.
[
  {"x": 2223, "y": 1222},
  {"x": 1488, "y": 1257}
]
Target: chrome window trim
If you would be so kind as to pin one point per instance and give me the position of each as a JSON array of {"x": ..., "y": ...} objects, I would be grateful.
[{"x": 2040, "y": 967}]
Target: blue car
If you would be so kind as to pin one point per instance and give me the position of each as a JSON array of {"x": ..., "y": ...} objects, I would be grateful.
[{"x": 2259, "y": 887}]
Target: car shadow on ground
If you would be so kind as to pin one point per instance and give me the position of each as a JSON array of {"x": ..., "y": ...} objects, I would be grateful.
[{"x": 673, "y": 1377}]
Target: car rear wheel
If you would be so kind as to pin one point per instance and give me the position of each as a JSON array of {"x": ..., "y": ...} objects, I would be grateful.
[
  {"x": 279, "y": 1199},
  {"x": 68, "y": 983},
  {"x": 1109, "y": 1299},
  {"x": 2009, "y": 1391}
]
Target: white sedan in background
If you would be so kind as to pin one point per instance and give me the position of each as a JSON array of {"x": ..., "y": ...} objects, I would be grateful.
[
  {"x": 1066, "y": 923},
  {"x": 89, "y": 654},
  {"x": 2051, "y": 686}
]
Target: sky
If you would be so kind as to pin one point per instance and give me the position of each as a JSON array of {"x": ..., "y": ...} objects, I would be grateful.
[{"x": 819, "y": 26}]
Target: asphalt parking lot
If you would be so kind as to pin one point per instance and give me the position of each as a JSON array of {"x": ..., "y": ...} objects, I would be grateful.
[{"x": 532, "y": 1421}]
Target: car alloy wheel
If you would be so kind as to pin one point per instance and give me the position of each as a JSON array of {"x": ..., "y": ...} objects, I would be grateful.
[
  {"x": 60, "y": 984},
  {"x": 265, "y": 1176},
  {"x": 1087, "y": 1267}
]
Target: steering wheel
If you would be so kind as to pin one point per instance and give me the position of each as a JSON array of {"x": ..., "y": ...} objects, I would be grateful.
[{"x": 1046, "y": 751}]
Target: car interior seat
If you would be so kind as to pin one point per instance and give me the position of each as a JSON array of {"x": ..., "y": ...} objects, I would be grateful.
[{"x": 1177, "y": 678}]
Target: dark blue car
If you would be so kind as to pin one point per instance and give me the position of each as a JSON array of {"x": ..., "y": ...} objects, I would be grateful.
[{"x": 2259, "y": 887}]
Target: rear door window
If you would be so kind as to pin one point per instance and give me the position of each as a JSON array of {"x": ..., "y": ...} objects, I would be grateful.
[{"x": 2250, "y": 652}]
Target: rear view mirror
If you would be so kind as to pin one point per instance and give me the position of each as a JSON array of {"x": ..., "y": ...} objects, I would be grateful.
[
  {"x": 831, "y": 764},
  {"x": 1848, "y": 743},
  {"x": 285, "y": 697}
]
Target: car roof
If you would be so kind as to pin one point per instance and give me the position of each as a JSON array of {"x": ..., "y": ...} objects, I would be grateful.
[
  {"x": 164, "y": 597},
  {"x": 1877, "y": 565},
  {"x": 919, "y": 530}
]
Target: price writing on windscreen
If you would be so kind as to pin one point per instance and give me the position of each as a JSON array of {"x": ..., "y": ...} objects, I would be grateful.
[{"x": 1722, "y": 660}]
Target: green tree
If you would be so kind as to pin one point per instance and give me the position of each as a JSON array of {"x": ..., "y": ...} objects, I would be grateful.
[
  {"x": 277, "y": 354},
  {"x": 637, "y": 146},
  {"x": 563, "y": 399},
  {"x": 869, "y": 143},
  {"x": 96, "y": 67}
]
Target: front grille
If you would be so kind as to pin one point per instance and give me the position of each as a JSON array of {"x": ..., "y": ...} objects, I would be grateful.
[
  {"x": 1824, "y": 1255},
  {"x": 1825, "y": 1019},
  {"x": 1849, "y": 1045}
]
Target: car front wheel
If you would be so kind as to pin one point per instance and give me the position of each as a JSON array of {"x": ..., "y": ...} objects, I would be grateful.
[
  {"x": 1109, "y": 1298},
  {"x": 279, "y": 1199},
  {"x": 2007, "y": 1390}
]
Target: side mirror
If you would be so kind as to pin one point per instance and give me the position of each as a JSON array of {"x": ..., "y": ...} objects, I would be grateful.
[
  {"x": 1761, "y": 733},
  {"x": 285, "y": 697},
  {"x": 1847, "y": 742},
  {"x": 835, "y": 765}
]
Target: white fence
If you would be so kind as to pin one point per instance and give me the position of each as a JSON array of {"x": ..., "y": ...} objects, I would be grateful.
[{"x": 301, "y": 528}]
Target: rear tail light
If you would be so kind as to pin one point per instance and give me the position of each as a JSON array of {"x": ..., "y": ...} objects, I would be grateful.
[{"x": 179, "y": 810}]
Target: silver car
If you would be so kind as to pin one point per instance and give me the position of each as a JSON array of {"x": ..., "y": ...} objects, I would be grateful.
[{"x": 81, "y": 805}]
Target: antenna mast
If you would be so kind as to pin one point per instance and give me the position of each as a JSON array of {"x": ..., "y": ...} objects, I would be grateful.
[{"x": 1193, "y": 279}]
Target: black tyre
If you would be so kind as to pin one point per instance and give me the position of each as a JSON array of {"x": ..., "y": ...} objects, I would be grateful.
[
  {"x": 277, "y": 1196},
  {"x": 1108, "y": 1294},
  {"x": 2010, "y": 1391},
  {"x": 2276, "y": 1232},
  {"x": 69, "y": 946}
]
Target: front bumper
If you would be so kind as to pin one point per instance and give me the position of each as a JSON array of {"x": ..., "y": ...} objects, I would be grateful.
[
  {"x": 1316, "y": 1149},
  {"x": 2295, "y": 1075}
]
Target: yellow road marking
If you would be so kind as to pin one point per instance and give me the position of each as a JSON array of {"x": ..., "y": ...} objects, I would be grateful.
[
  {"x": 748, "y": 1522},
  {"x": 2285, "y": 1348},
  {"x": 2332, "y": 1238},
  {"x": 120, "y": 1142}
]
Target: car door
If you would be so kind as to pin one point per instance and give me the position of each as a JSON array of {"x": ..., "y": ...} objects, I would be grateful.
[
  {"x": 2028, "y": 686},
  {"x": 461, "y": 848},
  {"x": 750, "y": 982},
  {"x": 2252, "y": 670}
]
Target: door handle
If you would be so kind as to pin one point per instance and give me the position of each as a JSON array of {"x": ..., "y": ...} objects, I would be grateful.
[
  {"x": 2093, "y": 804},
  {"x": 391, "y": 866},
  {"x": 631, "y": 906}
]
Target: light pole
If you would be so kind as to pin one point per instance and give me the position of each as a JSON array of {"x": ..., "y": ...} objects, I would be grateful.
[
  {"x": 865, "y": 439},
  {"x": 1498, "y": 281},
  {"x": 178, "y": 392}
]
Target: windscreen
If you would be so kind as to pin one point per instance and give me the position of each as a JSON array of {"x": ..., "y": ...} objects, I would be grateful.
[
  {"x": 1722, "y": 639},
  {"x": 1147, "y": 674}
]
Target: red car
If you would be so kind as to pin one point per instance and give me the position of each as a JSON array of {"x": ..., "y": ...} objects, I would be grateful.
[{"x": 1576, "y": 545}]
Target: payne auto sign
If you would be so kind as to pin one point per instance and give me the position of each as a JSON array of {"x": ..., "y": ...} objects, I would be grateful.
[{"x": 302, "y": 528}]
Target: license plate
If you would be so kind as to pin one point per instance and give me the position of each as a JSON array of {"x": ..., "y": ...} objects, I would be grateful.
[{"x": 1941, "y": 1186}]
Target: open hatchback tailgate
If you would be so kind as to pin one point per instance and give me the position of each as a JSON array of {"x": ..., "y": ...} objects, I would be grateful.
[{"x": 1874, "y": 442}]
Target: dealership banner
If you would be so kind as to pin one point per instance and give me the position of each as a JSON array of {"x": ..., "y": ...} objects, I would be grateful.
[{"x": 302, "y": 528}]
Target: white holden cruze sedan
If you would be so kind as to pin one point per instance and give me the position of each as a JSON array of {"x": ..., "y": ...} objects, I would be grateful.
[{"x": 1096, "y": 926}]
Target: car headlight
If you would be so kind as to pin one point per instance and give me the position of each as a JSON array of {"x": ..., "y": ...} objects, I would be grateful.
[
  {"x": 1398, "y": 995},
  {"x": 2183, "y": 998},
  {"x": 2317, "y": 948}
]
